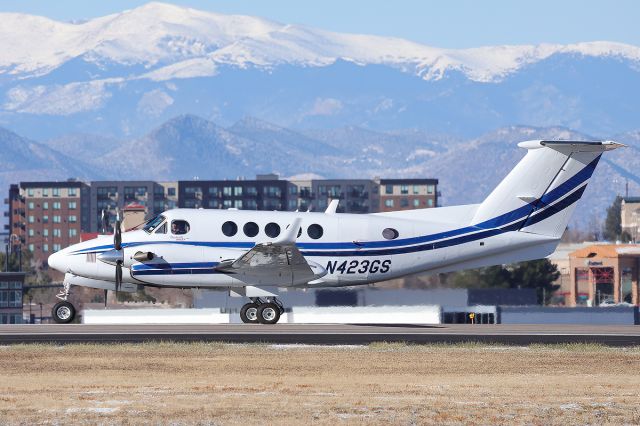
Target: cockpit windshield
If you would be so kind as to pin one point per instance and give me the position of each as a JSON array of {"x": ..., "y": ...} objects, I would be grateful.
[{"x": 153, "y": 224}]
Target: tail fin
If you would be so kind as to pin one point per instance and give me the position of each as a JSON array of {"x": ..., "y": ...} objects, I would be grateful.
[{"x": 540, "y": 193}]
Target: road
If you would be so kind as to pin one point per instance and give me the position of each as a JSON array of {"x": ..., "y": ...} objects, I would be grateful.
[{"x": 623, "y": 335}]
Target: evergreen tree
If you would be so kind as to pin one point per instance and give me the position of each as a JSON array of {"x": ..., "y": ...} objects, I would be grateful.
[{"x": 612, "y": 226}]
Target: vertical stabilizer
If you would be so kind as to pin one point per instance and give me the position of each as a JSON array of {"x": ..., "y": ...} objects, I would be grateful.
[{"x": 540, "y": 193}]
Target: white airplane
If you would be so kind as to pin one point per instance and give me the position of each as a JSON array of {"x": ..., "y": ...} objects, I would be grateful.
[{"x": 242, "y": 251}]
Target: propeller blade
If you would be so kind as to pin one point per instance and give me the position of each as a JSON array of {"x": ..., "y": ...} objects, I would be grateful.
[
  {"x": 118, "y": 276},
  {"x": 117, "y": 236}
]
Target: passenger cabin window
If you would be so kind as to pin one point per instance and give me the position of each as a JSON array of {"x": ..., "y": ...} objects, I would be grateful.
[
  {"x": 229, "y": 228},
  {"x": 153, "y": 224},
  {"x": 251, "y": 229},
  {"x": 272, "y": 230},
  {"x": 179, "y": 227},
  {"x": 315, "y": 231}
]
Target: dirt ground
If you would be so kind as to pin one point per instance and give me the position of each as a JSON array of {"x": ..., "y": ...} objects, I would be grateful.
[{"x": 182, "y": 383}]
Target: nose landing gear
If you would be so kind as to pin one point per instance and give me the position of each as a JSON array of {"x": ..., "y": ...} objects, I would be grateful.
[
  {"x": 263, "y": 312},
  {"x": 63, "y": 312}
]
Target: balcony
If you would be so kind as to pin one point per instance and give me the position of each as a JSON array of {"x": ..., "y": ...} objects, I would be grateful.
[{"x": 306, "y": 194}]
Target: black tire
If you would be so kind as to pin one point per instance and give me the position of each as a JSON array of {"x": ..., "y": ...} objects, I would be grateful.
[
  {"x": 249, "y": 313},
  {"x": 63, "y": 312},
  {"x": 268, "y": 313}
]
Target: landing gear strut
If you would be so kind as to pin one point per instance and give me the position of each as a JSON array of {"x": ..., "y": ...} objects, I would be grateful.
[
  {"x": 63, "y": 312},
  {"x": 263, "y": 312}
]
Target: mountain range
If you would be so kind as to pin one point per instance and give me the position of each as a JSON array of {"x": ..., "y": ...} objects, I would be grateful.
[
  {"x": 124, "y": 74},
  {"x": 166, "y": 92},
  {"x": 190, "y": 147}
]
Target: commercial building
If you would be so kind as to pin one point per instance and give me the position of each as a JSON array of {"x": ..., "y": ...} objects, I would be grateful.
[
  {"x": 11, "y": 286},
  {"x": 603, "y": 275},
  {"x": 630, "y": 217}
]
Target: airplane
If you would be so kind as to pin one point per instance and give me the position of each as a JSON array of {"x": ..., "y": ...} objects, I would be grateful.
[{"x": 243, "y": 251}]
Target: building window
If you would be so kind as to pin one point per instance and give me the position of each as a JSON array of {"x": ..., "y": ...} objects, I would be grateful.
[
  {"x": 227, "y": 191},
  {"x": 56, "y": 232},
  {"x": 73, "y": 219},
  {"x": 251, "y": 190},
  {"x": 45, "y": 232},
  {"x": 430, "y": 202},
  {"x": 32, "y": 248},
  {"x": 56, "y": 205},
  {"x": 404, "y": 202},
  {"x": 416, "y": 189},
  {"x": 430, "y": 189},
  {"x": 31, "y": 205},
  {"x": 45, "y": 205},
  {"x": 237, "y": 191},
  {"x": 45, "y": 219},
  {"x": 416, "y": 202},
  {"x": 55, "y": 192},
  {"x": 404, "y": 189},
  {"x": 252, "y": 204},
  {"x": 388, "y": 189},
  {"x": 73, "y": 232},
  {"x": 227, "y": 204},
  {"x": 73, "y": 192},
  {"x": 57, "y": 219},
  {"x": 214, "y": 204},
  {"x": 388, "y": 203},
  {"x": 45, "y": 248},
  {"x": 45, "y": 192},
  {"x": 272, "y": 191},
  {"x": 237, "y": 204},
  {"x": 32, "y": 219},
  {"x": 31, "y": 232},
  {"x": 72, "y": 205},
  {"x": 171, "y": 192},
  {"x": 56, "y": 247},
  {"x": 30, "y": 192}
]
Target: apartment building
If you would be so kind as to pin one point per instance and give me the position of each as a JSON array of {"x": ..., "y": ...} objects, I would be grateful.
[
  {"x": 47, "y": 216},
  {"x": 407, "y": 194},
  {"x": 108, "y": 196},
  {"x": 266, "y": 192}
]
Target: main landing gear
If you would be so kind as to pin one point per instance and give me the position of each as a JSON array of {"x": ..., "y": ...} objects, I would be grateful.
[
  {"x": 263, "y": 312},
  {"x": 63, "y": 312}
]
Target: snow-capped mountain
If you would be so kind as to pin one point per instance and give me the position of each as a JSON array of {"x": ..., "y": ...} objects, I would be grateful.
[{"x": 125, "y": 73}]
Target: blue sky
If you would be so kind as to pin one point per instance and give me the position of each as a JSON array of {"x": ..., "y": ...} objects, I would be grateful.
[{"x": 453, "y": 23}]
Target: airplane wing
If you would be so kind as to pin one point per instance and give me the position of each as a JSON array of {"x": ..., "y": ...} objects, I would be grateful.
[{"x": 277, "y": 263}]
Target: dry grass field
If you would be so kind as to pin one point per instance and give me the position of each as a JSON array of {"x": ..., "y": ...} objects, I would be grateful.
[{"x": 182, "y": 383}]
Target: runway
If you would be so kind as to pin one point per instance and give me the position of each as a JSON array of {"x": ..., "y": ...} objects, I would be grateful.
[{"x": 344, "y": 334}]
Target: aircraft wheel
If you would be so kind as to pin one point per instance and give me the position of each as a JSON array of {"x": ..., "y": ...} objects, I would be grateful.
[
  {"x": 249, "y": 313},
  {"x": 268, "y": 313},
  {"x": 63, "y": 312}
]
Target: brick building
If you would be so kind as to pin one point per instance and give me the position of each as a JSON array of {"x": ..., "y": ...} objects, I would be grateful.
[
  {"x": 407, "y": 194},
  {"x": 45, "y": 217}
]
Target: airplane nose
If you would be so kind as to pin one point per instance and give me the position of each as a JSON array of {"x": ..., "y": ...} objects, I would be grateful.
[{"x": 56, "y": 261}]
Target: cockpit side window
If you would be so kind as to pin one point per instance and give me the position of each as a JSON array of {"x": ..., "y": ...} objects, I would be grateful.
[
  {"x": 179, "y": 227},
  {"x": 153, "y": 224},
  {"x": 162, "y": 229}
]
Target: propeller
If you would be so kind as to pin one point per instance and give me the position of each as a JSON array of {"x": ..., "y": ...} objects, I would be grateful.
[
  {"x": 115, "y": 257},
  {"x": 117, "y": 245}
]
